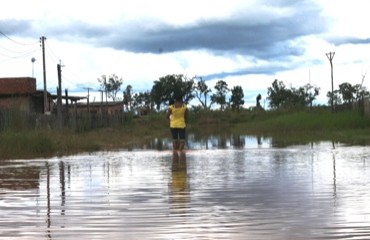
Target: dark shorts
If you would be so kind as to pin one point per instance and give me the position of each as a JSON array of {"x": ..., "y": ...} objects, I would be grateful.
[{"x": 178, "y": 133}]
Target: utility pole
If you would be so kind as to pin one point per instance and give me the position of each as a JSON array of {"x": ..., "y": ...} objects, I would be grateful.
[
  {"x": 42, "y": 39},
  {"x": 330, "y": 56},
  {"x": 59, "y": 96},
  {"x": 102, "y": 98},
  {"x": 66, "y": 93},
  {"x": 88, "y": 97}
]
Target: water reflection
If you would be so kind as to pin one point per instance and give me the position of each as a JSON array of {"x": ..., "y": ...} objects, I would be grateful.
[
  {"x": 179, "y": 184},
  {"x": 19, "y": 178},
  {"x": 222, "y": 141},
  {"x": 226, "y": 141},
  {"x": 315, "y": 191}
]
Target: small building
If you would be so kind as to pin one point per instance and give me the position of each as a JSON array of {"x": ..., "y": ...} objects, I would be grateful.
[
  {"x": 20, "y": 93},
  {"x": 110, "y": 108}
]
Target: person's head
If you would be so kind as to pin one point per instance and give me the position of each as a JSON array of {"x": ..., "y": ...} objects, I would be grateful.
[{"x": 178, "y": 98}]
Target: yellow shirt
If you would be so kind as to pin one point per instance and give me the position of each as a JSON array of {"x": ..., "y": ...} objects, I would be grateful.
[{"x": 177, "y": 118}]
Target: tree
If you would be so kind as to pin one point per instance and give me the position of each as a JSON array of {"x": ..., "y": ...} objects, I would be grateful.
[
  {"x": 168, "y": 86},
  {"x": 111, "y": 86},
  {"x": 282, "y": 97},
  {"x": 303, "y": 96},
  {"x": 220, "y": 96},
  {"x": 141, "y": 102},
  {"x": 277, "y": 94},
  {"x": 310, "y": 93},
  {"x": 201, "y": 92},
  {"x": 347, "y": 91},
  {"x": 127, "y": 98},
  {"x": 258, "y": 99},
  {"x": 360, "y": 91},
  {"x": 337, "y": 100},
  {"x": 237, "y": 97}
]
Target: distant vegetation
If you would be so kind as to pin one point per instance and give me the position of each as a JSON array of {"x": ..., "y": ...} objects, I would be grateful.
[
  {"x": 306, "y": 125},
  {"x": 221, "y": 97},
  {"x": 291, "y": 117}
]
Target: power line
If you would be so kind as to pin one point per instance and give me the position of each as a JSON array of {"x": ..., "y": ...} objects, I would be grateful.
[
  {"x": 15, "y": 52},
  {"x": 21, "y": 55},
  {"x": 51, "y": 53},
  {"x": 16, "y": 41},
  {"x": 11, "y": 51}
]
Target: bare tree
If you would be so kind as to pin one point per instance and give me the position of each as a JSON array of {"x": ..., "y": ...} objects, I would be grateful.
[{"x": 111, "y": 86}]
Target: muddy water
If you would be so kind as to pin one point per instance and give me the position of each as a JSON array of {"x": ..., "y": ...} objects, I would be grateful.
[{"x": 316, "y": 191}]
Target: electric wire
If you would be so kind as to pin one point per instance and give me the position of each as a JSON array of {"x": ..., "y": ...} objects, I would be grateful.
[
  {"x": 14, "y": 41},
  {"x": 67, "y": 75},
  {"x": 11, "y": 52},
  {"x": 23, "y": 54}
]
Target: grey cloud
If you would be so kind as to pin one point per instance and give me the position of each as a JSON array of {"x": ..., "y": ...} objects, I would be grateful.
[
  {"x": 266, "y": 32},
  {"x": 82, "y": 30},
  {"x": 241, "y": 72},
  {"x": 238, "y": 35},
  {"x": 270, "y": 70},
  {"x": 345, "y": 40},
  {"x": 15, "y": 27}
]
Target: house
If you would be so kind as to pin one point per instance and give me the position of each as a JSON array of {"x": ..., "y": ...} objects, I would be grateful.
[
  {"x": 110, "y": 108},
  {"x": 20, "y": 93}
]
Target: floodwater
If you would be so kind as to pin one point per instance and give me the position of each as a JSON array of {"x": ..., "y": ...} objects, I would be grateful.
[{"x": 256, "y": 191}]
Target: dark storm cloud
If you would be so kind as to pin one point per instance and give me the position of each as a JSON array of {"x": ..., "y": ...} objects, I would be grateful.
[
  {"x": 270, "y": 31},
  {"x": 256, "y": 32},
  {"x": 263, "y": 36}
]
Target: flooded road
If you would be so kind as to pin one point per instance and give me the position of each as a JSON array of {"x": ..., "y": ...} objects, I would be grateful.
[{"x": 315, "y": 191}]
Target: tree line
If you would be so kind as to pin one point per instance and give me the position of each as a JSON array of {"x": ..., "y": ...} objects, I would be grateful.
[
  {"x": 282, "y": 97},
  {"x": 278, "y": 94},
  {"x": 165, "y": 88}
]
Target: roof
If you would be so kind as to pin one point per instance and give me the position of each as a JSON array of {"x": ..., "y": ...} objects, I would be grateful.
[
  {"x": 17, "y": 85},
  {"x": 72, "y": 98}
]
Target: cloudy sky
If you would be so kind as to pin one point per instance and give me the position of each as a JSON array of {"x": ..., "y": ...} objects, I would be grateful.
[{"x": 249, "y": 43}]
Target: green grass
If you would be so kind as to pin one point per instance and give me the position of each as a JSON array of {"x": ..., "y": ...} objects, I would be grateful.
[
  {"x": 284, "y": 126},
  {"x": 25, "y": 143},
  {"x": 309, "y": 121},
  {"x": 347, "y": 126},
  {"x": 304, "y": 125}
]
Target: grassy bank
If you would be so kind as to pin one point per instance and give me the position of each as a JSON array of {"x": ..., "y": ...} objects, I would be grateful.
[
  {"x": 318, "y": 124},
  {"x": 295, "y": 126}
]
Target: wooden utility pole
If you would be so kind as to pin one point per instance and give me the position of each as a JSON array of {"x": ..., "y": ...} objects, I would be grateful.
[
  {"x": 59, "y": 97},
  {"x": 66, "y": 93},
  {"x": 330, "y": 57},
  {"x": 42, "y": 39},
  {"x": 88, "y": 99},
  {"x": 102, "y": 98}
]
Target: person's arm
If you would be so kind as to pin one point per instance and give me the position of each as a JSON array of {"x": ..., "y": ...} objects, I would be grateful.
[{"x": 168, "y": 113}]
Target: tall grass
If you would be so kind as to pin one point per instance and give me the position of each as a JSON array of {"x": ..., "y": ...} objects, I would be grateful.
[
  {"x": 19, "y": 141},
  {"x": 21, "y": 144},
  {"x": 318, "y": 120}
]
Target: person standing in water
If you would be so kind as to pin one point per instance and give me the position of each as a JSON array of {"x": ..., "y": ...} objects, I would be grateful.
[{"x": 177, "y": 113}]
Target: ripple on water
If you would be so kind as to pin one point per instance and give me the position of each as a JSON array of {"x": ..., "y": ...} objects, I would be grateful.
[{"x": 304, "y": 192}]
